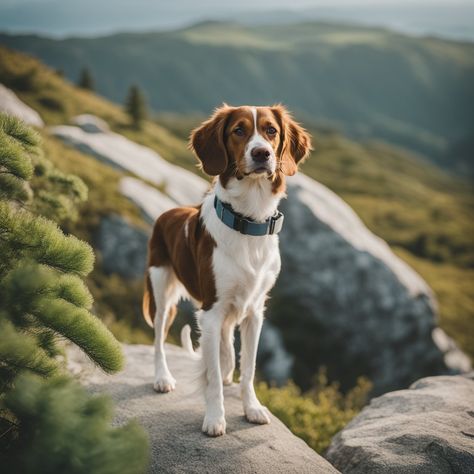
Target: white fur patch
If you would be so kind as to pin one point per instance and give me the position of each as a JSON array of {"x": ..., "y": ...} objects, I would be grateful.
[
  {"x": 258, "y": 141},
  {"x": 186, "y": 229}
]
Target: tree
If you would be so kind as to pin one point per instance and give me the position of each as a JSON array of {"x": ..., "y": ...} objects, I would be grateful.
[
  {"x": 86, "y": 81},
  {"x": 135, "y": 106},
  {"x": 48, "y": 423}
]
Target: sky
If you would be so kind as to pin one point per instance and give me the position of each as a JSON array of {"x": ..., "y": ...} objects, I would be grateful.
[{"x": 448, "y": 18}]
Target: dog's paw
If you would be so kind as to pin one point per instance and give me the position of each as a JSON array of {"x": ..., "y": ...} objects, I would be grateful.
[
  {"x": 165, "y": 383},
  {"x": 214, "y": 426},
  {"x": 257, "y": 414},
  {"x": 228, "y": 380}
]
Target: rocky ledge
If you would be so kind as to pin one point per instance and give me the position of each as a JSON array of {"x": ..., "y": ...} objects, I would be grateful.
[
  {"x": 174, "y": 420},
  {"x": 427, "y": 429}
]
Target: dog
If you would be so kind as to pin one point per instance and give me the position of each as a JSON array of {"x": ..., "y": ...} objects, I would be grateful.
[{"x": 223, "y": 253}]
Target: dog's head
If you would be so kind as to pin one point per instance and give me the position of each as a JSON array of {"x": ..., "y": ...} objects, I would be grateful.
[{"x": 253, "y": 142}]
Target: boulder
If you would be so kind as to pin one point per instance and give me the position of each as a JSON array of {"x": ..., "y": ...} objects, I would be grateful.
[
  {"x": 174, "y": 420},
  {"x": 122, "y": 247},
  {"x": 12, "y": 105},
  {"x": 344, "y": 300},
  {"x": 427, "y": 429}
]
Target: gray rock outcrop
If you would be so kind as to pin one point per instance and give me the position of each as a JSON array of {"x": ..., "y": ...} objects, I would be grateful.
[
  {"x": 428, "y": 429},
  {"x": 122, "y": 247},
  {"x": 173, "y": 421},
  {"x": 355, "y": 306},
  {"x": 12, "y": 105}
]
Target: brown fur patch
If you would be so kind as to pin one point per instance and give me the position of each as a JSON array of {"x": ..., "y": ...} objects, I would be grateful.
[
  {"x": 190, "y": 257},
  {"x": 295, "y": 141}
]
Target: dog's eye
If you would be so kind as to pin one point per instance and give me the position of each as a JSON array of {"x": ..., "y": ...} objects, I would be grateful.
[
  {"x": 239, "y": 131},
  {"x": 271, "y": 130}
]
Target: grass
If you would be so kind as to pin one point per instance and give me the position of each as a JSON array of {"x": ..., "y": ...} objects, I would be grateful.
[
  {"x": 57, "y": 101},
  {"x": 317, "y": 415}
]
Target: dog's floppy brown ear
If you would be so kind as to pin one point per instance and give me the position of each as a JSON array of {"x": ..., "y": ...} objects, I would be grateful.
[
  {"x": 208, "y": 142},
  {"x": 295, "y": 141}
]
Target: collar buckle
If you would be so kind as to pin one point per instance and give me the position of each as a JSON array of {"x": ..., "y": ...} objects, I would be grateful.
[
  {"x": 240, "y": 224},
  {"x": 276, "y": 223},
  {"x": 271, "y": 226}
]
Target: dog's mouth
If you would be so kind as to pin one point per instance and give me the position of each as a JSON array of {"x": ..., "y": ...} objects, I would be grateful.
[{"x": 260, "y": 170}]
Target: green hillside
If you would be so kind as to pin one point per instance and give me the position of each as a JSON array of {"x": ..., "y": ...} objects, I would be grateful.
[
  {"x": 423, "y": 213},
  {"x": 414, "y": 92}
]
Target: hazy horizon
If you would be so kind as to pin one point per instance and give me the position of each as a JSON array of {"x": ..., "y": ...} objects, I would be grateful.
[{"x": 62, "y": 18}]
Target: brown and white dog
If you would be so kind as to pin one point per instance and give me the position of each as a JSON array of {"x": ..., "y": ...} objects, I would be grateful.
[{"x": 194, "y": 253}]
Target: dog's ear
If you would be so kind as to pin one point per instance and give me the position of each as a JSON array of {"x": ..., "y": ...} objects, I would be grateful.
[
  {"x": 295, "y": 141},
  {"x": 208, "y": 142}
]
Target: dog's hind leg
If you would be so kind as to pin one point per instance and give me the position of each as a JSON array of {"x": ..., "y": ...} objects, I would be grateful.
[{"x": 165, "y": 290}]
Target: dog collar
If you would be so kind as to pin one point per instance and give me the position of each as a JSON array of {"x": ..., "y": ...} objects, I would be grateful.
[{"x": 245, "y": 225}]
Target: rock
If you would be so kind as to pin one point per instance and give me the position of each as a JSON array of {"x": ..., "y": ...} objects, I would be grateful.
[
  {"x": 12, "y": 105},
  {"x": 180, "y": 185},
  {"x": 122, "y": 247},
  {"x": 151, "y": 201},
  {"x": 273, "y": 359},
  {"x": 91, "y": 123},
  {"x": 453, "y": 356},
  {"x": 428, "y": 429},
  {"x": 344, "y": 300},
  {"x": 174, "y": 421}
]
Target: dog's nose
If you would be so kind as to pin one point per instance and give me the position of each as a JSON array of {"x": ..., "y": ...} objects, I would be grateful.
[{"x": 260, "y": 154}]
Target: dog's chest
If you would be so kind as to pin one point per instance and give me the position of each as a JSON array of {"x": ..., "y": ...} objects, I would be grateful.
[{"x": 245, "y": 268}]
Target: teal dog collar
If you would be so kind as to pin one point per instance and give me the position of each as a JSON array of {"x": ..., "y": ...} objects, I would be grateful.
[{"x": 245, "y": 225}]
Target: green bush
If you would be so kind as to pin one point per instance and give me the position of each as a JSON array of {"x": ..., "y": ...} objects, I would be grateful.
[
  {"x": 64, "y": 430},
  {"x": 47, "y": 423},
  {"x": 317, "y": 415}
]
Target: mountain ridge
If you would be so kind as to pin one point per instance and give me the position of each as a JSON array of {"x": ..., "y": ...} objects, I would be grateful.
[{"x": 367, "y": 82}]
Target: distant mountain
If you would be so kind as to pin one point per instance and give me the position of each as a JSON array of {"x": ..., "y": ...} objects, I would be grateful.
[
  {"x": 445, "y": 18},
  {"x": 414, "y": 92}
]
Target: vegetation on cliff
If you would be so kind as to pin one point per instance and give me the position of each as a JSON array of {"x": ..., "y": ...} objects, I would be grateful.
[{"x": 47, "y": 421}]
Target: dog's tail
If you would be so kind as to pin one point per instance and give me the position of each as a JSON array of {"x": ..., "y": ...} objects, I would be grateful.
[
  {"x": 186, "y": 341},
  {"x": 197, "y": 376}
]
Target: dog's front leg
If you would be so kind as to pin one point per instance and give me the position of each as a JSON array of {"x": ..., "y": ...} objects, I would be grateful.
[
  {"x": 250, "y": 333},
  {"x": 211, "y": 327},
  {"x": 227, "y": 358}
]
